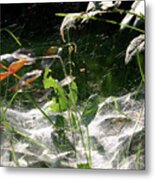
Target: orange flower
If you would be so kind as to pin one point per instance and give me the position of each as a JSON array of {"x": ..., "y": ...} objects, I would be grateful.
[
  {"x": 4, "y": 75},
  {"x": 16, "y": 66},
  {"x": 12, "y": 69}
]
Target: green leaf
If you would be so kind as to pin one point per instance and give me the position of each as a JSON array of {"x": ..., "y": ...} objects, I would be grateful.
[
  {"x": 54, "y": 106},
  {"x": 60, "y": 102},
  {"x": 60, "y": 122},
  {"x": 46, "y": 79},
  {"x": 84, "y": 166},
  {"x": 90, "y": 110}
]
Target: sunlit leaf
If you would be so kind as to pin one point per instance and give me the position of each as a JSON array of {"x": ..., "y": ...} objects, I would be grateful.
[
  {"x": 54, "y": 106},
  {"x": 60, "y": 102},
  {"x": 83, "y": 166},
  {"x": 47, "y": 80}
]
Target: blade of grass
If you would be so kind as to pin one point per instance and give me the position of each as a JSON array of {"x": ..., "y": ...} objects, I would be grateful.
[
  {"x": 13, "y": 152},
  {"x": 13, "y": 36},
  {"x": 101, "y": 19},
  {"x": 116, "y": 104},
  {"x": 89, "y": 147},
  {"x": 39, "y": 108},
  {"x": 140, "y": 67}
]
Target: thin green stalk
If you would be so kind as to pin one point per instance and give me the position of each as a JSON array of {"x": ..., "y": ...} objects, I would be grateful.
[
  {"x": 13, "y": 152},
  {"x": 71, "y": 126},
  {"x": 13, "y": 36},
  {"x": 29, "y": 138},
  {"x": 101, "y": 19},
  {"x": 140, "y": 67},
  {"x": 63, "y": 66},
  {"x": 4, "y": 112},
  {"x": 89, "y": 146},
  {"x": 7, "y": 127},
  {"x": 82, "y": 139},
  {"x": 80, "y": 129},
  {"x": 10, "y": 102},
  {"x": 75, "y": 109},
  {"x": 116, "y": 105},
  {"x": 139, "y": 88},
  {"x": 65, "y": 74},
  {"x": 69, "y": 55},
  {"x": 117, "y": 23},
  {"x": 38, "y": 107},
  {"x": 7, "y": 85}
]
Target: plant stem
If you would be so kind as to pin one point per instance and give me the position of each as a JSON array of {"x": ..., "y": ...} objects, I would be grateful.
[
  {"x": 69, "y": 54},
  {"x": 13, "y": 36},
  {"x": 13, "y": 152},
  {"x": 37, "y": 106},
  {"x": 89, "y": 146},
  {"x": 82, "y": 139},
  {"x": 140, "y": 67}
]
